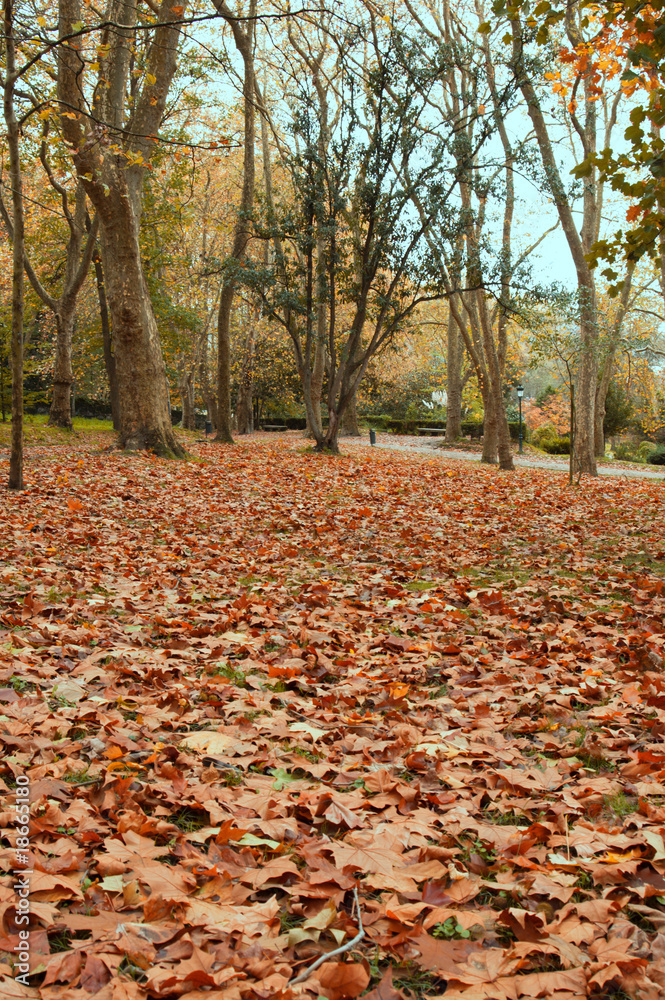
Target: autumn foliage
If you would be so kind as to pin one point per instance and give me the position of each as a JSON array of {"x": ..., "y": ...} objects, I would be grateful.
[{"x": 246, "y": 684}]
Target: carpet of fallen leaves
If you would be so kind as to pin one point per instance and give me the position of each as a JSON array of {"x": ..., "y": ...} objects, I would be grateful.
[{"x": 243, "y": 685}]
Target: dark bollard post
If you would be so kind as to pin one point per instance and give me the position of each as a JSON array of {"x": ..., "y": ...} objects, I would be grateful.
[
  {"x": 208, "y": 427},
  {"x": 372, "y": 436}
]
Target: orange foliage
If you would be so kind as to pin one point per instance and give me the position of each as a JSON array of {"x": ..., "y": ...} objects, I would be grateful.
[
  {"x": 555, "y": 411},
  {"x": 227, "y": 742}
]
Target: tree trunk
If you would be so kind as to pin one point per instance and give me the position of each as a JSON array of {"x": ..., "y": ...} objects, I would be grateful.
[
  {"x": 109, "y": 357},
  {"x": 490, "y": 427},
  {"x": 455, "y": 357},
  {"x": 578, "y": 244},
  {"x": 330, "y": 440},
  {"x": 60, "y": 414},
  {"x": 244, "y": 408},
  {"x": 114, "y": 187},
  {"x": 585, "y": 391},
  {"x": 224, "y": 418},
  {"x": 318, "y": 371},
  {"x": 494, "y": 387},
  {"x": 186, "y": 389},
  {"x": 143, "y": 419},
  {"x": 608, "y": 361},
  {"x": 18, "y": 248},
  {"x": 211, "y": 406},
  {"x": 349, "y": 423},
  {"x": 244, "y": 41},
  {"x": 349, "y": 418}
]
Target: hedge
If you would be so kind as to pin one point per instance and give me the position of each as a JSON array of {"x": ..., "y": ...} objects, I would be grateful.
[{"x": 470, "y": 428}]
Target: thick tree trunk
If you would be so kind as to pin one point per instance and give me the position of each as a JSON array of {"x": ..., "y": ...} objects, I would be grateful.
[
  {"x": 109, "y": 357},
  {"x": 349, "y": 422},
  {"x": 245, "y": 409},
  {"x": 60, "y": 414},
  {"x": 493, "y": 387},
  {"x": 114, "y": 188},
  {"x": 454, "y": 361},
  {"x": 330, "y": 441},
  {"x": 143, "y": 419},
  {"x": 349, "y": 419},
  {"x": 608, "y": 361},
  {"x": 599, "y": 429},
  {"x": 318, "y": 372},
  {"x": 490, "y": 427}
]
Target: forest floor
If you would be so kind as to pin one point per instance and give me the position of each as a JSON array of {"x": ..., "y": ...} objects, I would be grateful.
[{"x": 246, "y": 686}]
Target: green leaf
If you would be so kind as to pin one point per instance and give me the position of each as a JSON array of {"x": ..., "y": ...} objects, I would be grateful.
[{"x": 282, "y": 778}]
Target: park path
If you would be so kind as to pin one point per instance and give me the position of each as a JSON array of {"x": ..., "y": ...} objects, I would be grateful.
[{"x": 524, "y": 462}]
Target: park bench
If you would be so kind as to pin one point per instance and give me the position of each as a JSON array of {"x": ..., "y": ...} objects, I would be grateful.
[
  {"x": 274, "y": 427},
  {"x": 431, "y": 430}
]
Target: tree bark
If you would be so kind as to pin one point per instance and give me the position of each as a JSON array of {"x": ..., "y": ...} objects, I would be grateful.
[
  {"x": 244, "y": 407},
  {"x": 113, "y": 181},
  {"x": 454, "y": 360},
  {"x": 60, "y": 414},
  {"x": 607, "y": 367},
  {"x": 584, "y": 454},
  {"x": 186, "y": 389},
  {"x": 318, "y": 373},
  {"x": 107, "y": 339},
  {"x": 244, "y": 41},
  {"x": 349, "y": 423},
  {"x": 18, "y": 250},
  {"x": 490, "y": 427}
]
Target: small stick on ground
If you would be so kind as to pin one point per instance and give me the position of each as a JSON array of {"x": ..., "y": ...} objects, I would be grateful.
[{"x": 338, "y": 951}]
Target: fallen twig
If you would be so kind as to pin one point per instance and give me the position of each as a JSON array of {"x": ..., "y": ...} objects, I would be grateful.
[{"x": 338, "y": 951}]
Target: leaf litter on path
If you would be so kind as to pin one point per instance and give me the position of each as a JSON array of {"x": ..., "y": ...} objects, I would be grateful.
[{"x": 243, "y": 685}]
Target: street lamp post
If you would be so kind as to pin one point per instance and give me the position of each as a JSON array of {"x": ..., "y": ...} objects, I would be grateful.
[{"x": 520, "y": 393}]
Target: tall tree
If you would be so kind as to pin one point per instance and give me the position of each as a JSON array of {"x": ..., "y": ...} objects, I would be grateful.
[
  {"x": 583, "y": 111},
  {"x": 79, "y": 250},
  {"x": 112, "y": 139},
  {"x": 243, "y": 35},
  {"x": 11, "y": 75},
  {"x": 472, "y": 99},
  {"x": 349, "y": 236}
]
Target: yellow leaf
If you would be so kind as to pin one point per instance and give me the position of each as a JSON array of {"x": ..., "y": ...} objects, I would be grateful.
[
  {"x": 617, "y": 857},
  {"x": 152, "y": 80},
  {"x": 303, "y": 727},
  {"x": 324, "y": 918},
  {"x": 112, "y": 883},
  {"x": 211, "y": 741}
]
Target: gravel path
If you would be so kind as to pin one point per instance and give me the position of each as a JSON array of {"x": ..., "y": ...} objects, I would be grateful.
[{"x": 616, "y": 470}]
